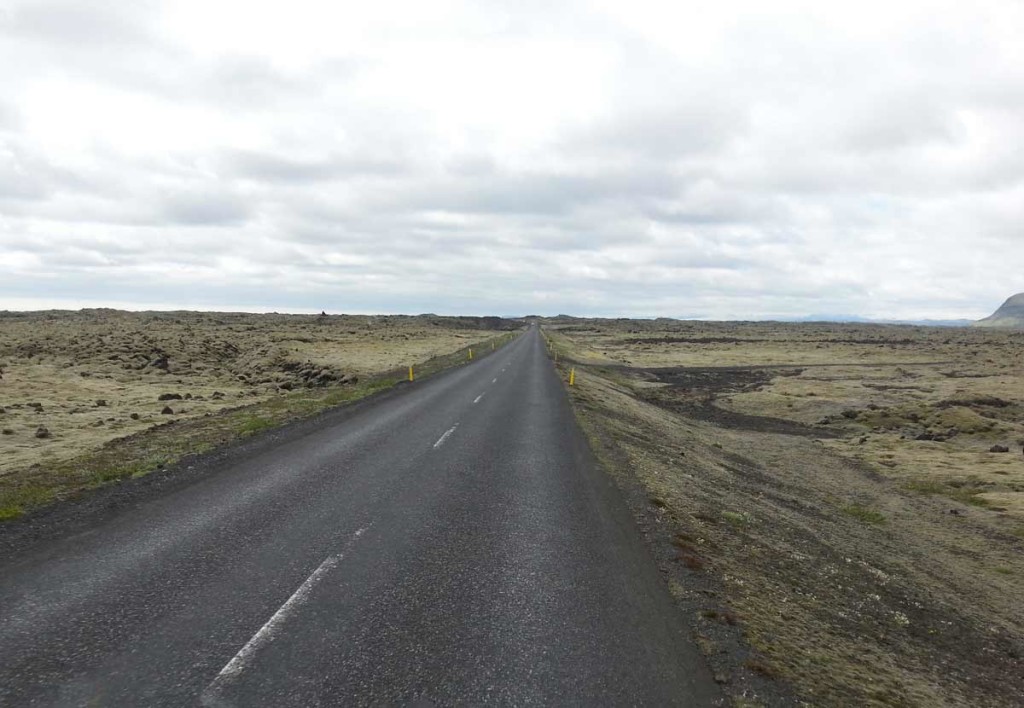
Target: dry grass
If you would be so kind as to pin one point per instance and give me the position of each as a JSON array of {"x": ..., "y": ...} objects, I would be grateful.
[
  {"x": 867, "y": 567},
  {"x": 879, "y": 388},
  {"x": 98, "y": 381}
]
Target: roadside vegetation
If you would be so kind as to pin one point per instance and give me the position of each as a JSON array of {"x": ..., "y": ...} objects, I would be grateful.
[
  {"x": 838, "y": 507},
  {"x": 93, "y": 398}
]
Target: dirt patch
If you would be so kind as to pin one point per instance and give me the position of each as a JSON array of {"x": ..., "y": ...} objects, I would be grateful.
[{"x": 693, "y": 392}]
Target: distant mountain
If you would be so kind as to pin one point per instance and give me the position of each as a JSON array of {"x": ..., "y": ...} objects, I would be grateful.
[
  {"x": 827, "y": 318},
  {"x": 939, "y": 323},
  {"x": 867, "y": 320},
  {"x": 1010, "y": 314}
]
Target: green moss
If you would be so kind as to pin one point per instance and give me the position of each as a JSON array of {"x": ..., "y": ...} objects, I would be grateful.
[
  {"x": 10, "y": 512},
  {"x": 863, "y": 514},
  {"x": 925, "y": 486},
  {"x": 113, "y": 474},
  {"x": 15, "y": 502},
  {"x": 253, "y": 424},
  {"x": 961, "y": 491},
  {"x": 736, "y": 519},
  {"x": 962, "y": 418}
]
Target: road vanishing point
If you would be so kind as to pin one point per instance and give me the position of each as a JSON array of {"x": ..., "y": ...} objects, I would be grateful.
[{"x": 449, "y": 542}]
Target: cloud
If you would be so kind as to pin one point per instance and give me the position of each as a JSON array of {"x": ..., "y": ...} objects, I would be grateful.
[
  {"x": 196, "y": 207},
  {"x": 10, "y": 119},
  {"x": 63, "y": 22},
  {"x": 646, "y": 159},
  {"x": 275, "y": 168}
]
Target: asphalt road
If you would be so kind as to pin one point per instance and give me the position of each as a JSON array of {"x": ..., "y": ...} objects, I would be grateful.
[{"x": 451, "y": 543}]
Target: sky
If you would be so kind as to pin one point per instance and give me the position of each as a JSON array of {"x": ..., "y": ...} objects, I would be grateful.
[{"x": 726, "y": 160}]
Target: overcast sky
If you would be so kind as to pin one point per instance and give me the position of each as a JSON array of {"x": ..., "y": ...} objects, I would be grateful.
[{"x": 712, "y": 159}]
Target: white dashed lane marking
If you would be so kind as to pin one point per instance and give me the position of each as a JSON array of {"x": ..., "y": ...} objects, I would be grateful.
[
  {"x": 440, "y": 440},
  {"x": 266, "y": 633}
]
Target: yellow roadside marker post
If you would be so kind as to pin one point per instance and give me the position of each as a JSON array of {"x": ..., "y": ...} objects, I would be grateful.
[
  {"x": 572, "y": 376},
  {"x": 410, "y": 374},
  {"x": 470, "y": 353}
]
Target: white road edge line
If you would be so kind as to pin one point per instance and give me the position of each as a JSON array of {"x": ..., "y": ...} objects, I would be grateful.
[
  {"x": 494, "y": 380},
  {"x": 477, "y": 399},
  {"x": 268, "y": 631},
  {"x": 440, "y": 440}
]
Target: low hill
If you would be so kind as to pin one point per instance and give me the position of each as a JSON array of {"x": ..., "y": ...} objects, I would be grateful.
[{"x": 1010, "y": 314}]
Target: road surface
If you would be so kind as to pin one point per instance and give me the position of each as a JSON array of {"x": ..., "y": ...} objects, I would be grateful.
[{"x": 449, "y": 543}]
